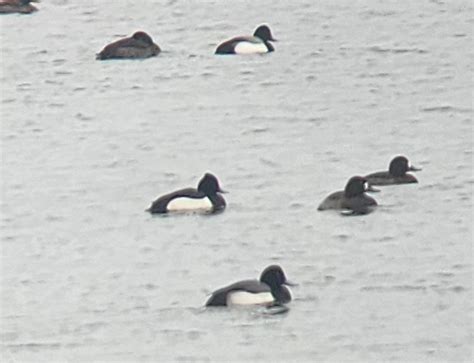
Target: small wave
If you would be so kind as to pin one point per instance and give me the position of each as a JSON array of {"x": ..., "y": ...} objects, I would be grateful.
[
  {"x": 195, "y": 334},
  {"x": 460, "y": 266},
  {"x": 89, "y": 12},
  {"x": 380, "y": 288},
  {"x": 204, "y": 74},
  {"x": 59, "y": 61},
  {"x": 82, "y": 117},
  {"x": 378, "y": 49},
  {"x": 386, "y": 239},
  {"x": 445, "y": 108},
  {"x": 54, "y": 82},
  {"x": 445, "y": 274},
  {"x": 23, "y": 86},
  {"x": 150, "y": 286},
  {"x": 378, "y": 13},
  {"x": 410, "y": 288},
  {"x": 339, "y": 337},
  {"x": 62, "y": 73},
  {"x": 33, "y": 346},
  {"x": 342, "y": 236},
  {"x": 54, "y": 218},
  {"x": 296, "y": 205},
  {"x": 270, "y": 84},
  {"x": 256, "y": 130},
  {"x": 56, "y": 105},
  {"x": 457, "y": 289},
  {"x": 374, "y": 75},
  {"x": 269, "y": 162}
]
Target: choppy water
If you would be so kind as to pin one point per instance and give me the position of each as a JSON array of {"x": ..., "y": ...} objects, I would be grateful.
[{"x": 87, "y": 275}]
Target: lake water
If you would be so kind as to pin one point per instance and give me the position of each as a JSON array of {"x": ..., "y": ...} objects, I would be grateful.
[{"x": 87, "y": 275}]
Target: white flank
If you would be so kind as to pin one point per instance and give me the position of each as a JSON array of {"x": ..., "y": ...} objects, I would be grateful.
[
  {"x": 250, "y": 48},
  {"x": 247, "y": 298},
  {"x": 188, "y": 204}
]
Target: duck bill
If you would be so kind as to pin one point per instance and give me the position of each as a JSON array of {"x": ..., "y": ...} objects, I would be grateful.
[
  {"x": 273, "y": 39},
  {"x": 222, "y": 191},
  {"x": 413, "y": 168},
  {"x": 372, "y": 189},
  {"x": 290, "y": 283}
]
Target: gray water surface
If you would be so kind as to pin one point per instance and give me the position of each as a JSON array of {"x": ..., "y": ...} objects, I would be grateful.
[{"x": 87, "y": 275}]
